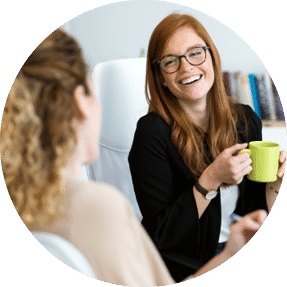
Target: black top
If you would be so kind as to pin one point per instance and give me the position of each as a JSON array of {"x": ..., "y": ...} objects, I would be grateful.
[{"x": 164, "y": 191}]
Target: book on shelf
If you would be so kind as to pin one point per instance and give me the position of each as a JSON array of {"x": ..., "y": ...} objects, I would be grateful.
[
  {"x": 255, "y": 96},
  {"x": 278, "y": 104},
  {"x": 266, "y": 100},
  {"x": 256, "y": 90},
  {"x": 245, "y": 91}
]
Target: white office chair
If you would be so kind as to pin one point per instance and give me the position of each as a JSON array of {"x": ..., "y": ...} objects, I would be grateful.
[
  {"x": 65, "y": 252},
  {"x": 120, "y": 86}
]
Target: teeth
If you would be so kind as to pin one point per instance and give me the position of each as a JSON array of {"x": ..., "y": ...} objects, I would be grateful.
[{"x": 190, "y": 80}]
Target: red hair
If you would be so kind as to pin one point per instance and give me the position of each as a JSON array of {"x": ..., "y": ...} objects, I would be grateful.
[{"x": 186, "y": 136}]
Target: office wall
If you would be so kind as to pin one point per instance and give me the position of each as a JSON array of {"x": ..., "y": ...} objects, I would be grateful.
[{"x": 122, "y": 30}]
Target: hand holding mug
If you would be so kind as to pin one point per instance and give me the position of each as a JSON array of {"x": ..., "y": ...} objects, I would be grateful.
[
  {"x": 282, "y": 164},
  {"x": 230, "y": 168},
  {"x": 281, "y": 170},
  {"x": 265, "y": 161}
]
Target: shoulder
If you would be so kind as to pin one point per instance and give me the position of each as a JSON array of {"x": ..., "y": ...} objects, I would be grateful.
[
  {"x": 152, "y": 122},
  {"x": 248, "y": 111},
  {"x": 98, "y": 201},
  {"x": 248, "y": 122},
  {"x": 245, "y": 112},
  {"x": 252, "y": 117},
  {"x": 152, "y": 134}
]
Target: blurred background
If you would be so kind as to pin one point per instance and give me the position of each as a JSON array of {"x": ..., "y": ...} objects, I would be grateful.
[{"x": 122, "y": 30}]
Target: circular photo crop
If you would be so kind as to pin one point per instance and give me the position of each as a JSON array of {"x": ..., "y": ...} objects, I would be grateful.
[{"x": 143, "y": 143}]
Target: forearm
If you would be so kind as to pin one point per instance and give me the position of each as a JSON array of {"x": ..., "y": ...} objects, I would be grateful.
[
  {"x": 175, "y": 224},
  {"x": 240, "y": 233},
  {"x": 208, "y": 182},
  {"x": 168, "y": 207},
  {"x": 201, "y": 202}
]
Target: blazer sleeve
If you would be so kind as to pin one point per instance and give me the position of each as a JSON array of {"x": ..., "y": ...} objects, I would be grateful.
[
  {"x": 255, "y": 196},
  {"x": 171, "y": 221}
]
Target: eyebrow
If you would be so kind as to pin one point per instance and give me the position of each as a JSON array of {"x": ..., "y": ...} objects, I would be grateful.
[{"x": 191, "y": 47}]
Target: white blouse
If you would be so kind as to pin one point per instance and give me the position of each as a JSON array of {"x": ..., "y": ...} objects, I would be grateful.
[{"x": 228, "y": 197}]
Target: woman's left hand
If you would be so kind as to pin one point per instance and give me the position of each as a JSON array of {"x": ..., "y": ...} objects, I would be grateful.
[
  {"x": 282, "y": 164},
  {"x": 272, "y": 188}
]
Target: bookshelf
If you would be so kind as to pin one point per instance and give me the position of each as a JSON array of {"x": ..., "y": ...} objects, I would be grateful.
[
  {"x": 259, "y": 92},
  {"x": 275, "y": 124}
]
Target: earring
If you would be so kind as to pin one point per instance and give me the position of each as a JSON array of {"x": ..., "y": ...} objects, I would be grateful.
[{"x": 164, "y": 83}]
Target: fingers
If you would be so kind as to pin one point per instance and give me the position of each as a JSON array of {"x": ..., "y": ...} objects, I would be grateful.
[
  {"x": 257, "y": 216},
  {"x": 240, "y": 233},
  {"x": 235, "y": 148},
  {"x": 243, "y": 230},
  {"x": 243, "y": 156},
  {"x": 244, "y": 159},
  {"x": 246, "y": 167},
  {"x": 252, "y": 221},
  {"x": 282, "y": 157},
  {"x": 282, "y": 164},
  {"x": 243, "y": 167},
  {"x": 281, "y": 170},
  {"x": 249, "y": 224}
]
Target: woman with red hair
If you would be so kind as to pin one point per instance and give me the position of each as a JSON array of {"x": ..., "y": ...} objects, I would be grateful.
[
  {"x": 187, "y": 176},
  {"x": 50, "y": 128}
]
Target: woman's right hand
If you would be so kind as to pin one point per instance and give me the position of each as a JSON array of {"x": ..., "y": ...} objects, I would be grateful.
[
  {"x": 229, "y": 167},
  {"x": 240, "y": 233}
]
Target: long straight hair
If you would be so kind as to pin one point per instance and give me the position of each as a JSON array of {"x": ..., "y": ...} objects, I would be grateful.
[{"x": 186, "y": 136}]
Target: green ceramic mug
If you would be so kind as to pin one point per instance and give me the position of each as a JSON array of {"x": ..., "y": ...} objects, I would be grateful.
[{"x": 265, "y": 160}]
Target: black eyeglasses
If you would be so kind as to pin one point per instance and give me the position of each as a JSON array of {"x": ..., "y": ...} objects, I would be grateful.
[{"x": 194, "y": 56}]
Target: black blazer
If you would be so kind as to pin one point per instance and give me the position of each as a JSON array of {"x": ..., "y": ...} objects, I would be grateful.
[{"x": 164, "y": 191}]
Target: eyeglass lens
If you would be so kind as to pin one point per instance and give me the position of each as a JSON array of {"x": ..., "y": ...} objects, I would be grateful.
[{"x": 194, "y": 56}]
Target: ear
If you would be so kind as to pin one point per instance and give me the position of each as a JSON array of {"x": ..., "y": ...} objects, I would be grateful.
[{"x": 81, "y": 102}]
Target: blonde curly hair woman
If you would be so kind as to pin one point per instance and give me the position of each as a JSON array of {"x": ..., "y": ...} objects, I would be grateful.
[
  {"x": 40, "y": 135},
  {"x": 50, "y": 127}
]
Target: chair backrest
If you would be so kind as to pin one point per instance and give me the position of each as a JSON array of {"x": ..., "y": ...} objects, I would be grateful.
[
  {"x": 65, "y": 252},
  {"x": 120, "y": 87}
]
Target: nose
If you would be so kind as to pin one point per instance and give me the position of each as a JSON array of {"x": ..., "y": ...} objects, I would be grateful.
[{"x": 184, "y": 64}]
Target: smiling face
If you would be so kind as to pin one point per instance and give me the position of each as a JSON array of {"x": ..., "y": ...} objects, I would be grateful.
[{"x": 190, "y": 83}]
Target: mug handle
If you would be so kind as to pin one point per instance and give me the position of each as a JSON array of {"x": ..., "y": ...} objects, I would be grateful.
[{"x": 245, "y": 150}]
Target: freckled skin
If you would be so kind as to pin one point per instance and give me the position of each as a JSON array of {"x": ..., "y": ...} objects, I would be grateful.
[{"x": 179, "y": 43}]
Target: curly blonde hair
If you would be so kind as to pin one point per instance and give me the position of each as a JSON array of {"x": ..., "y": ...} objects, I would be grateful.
[{"x": 37, "y": 135}]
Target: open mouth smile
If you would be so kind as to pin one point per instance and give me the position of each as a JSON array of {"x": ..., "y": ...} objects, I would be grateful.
[{"x": 190, "y": 80}]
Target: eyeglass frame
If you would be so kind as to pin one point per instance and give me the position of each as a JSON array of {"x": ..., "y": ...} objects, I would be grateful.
[{"x": 184, "y": 56}]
